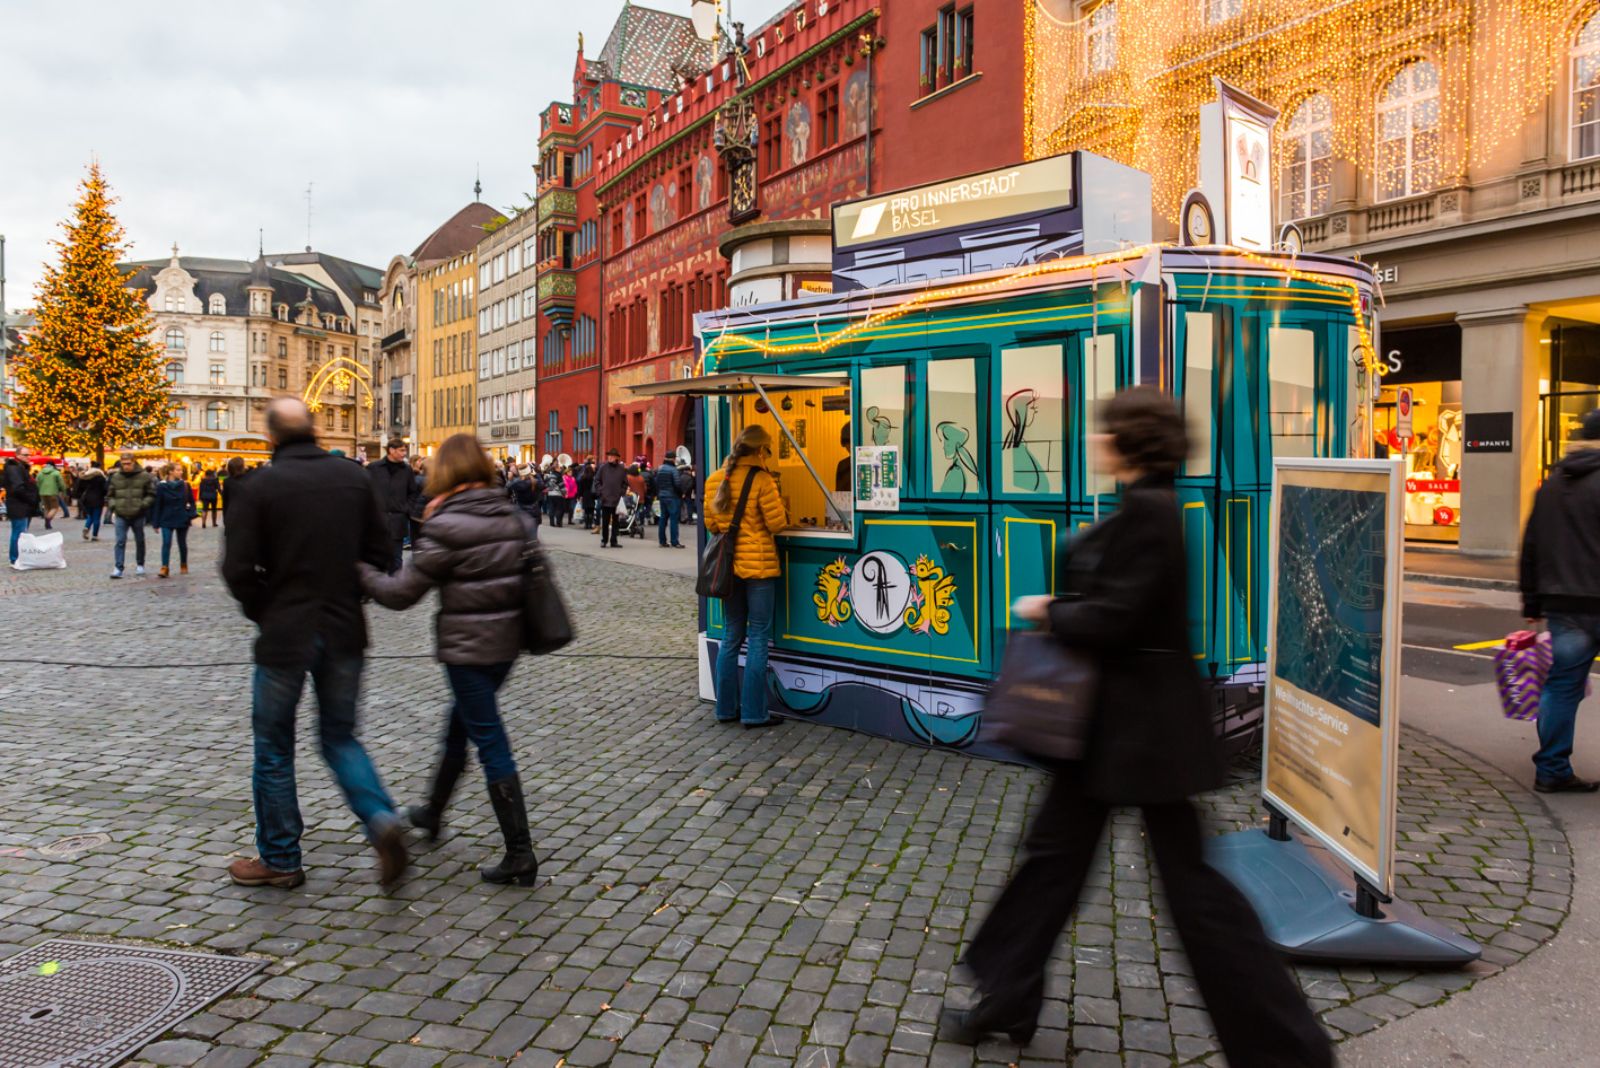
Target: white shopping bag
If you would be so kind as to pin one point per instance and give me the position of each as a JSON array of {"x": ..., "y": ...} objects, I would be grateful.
[{"x": 40, "y": 552}]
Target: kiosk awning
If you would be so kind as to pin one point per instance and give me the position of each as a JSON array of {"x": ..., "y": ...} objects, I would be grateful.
[{"x": 733, "y": 384}]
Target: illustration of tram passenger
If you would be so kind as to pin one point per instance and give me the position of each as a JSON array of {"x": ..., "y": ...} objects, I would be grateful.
[
  {"x": 961, "y": 476},
  {"x": 1027, "y": 473}
]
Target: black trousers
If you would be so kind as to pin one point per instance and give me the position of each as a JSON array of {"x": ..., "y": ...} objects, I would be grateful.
[
  {"x": 608, "y": 524},
  {"x": 1261, "y": 1018}
]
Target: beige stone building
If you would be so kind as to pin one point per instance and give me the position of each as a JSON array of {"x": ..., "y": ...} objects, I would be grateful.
[
  {"x": 507, "y": 351},
  {"x": 1454, "y": 145},
  {"x": 395, "y": 376}
]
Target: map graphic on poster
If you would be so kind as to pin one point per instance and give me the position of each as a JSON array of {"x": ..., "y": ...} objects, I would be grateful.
[{"x": 1331, "y": 563}]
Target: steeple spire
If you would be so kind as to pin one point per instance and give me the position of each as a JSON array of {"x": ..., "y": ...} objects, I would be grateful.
[{"x": 477, "y": 184}]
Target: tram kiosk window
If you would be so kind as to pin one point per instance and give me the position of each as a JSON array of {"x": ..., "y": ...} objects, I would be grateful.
[
  {"x": 1031, "y": 418},
  {"x": 1292, "y": 403},
  {"x": 1099, "y": 386},
  {"x": 953, "y": 441},
  {"x": 817, "y": 421},
  {"x": 1199, "y": 388}
]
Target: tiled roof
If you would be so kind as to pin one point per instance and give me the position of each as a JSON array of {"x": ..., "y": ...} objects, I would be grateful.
[
  {"x": 462, "y": 231},
  {"x": 644, "y": 47}
]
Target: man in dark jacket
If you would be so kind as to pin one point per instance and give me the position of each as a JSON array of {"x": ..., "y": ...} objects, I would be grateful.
[
  {"x": 397, "y": 492},
  {"x": 1561, "y": 583},
  {"x": 291, "y": 547},
  {"x": 686, "y": 493},
  {"x": 133, "y": 491},
  {"x": 610, "y": 483},
  {"x": 22, "y": 496},
  {"x": 666, "y": 480}
]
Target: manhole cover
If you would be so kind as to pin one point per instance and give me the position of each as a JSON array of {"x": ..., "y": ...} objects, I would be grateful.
[
  {"x": 78, "y": 843},
  {"x": 90, "y": 1004}
]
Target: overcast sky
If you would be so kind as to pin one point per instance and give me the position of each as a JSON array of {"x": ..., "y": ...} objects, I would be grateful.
[{"x": 210, "y": 119}]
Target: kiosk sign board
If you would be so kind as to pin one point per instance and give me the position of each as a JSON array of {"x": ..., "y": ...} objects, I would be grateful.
[
  {"x": 1236, "y": 166},
  {"x": 1331, "y": 732}
]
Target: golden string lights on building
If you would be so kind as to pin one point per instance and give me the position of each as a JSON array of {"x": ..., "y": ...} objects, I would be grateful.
[{"x": 1126, "y": 78}]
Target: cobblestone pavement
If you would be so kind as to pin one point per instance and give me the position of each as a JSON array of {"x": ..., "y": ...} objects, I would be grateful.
[{"x": 708, "y": 896}]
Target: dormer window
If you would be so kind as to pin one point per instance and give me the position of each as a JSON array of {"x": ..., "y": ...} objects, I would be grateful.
[
  {"x": 174, "y": 301},
  {"x": 283, "y": 312},
  {"x": 219, "y": 304}
]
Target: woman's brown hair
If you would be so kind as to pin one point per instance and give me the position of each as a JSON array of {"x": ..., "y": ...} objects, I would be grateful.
[
  {"x": 751, "y": 441},
  {"x": 459, "y": 461},
  {"x": 1147, "y": 429}
]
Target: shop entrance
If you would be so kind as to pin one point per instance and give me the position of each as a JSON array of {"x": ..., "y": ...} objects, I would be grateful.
[
  {"x": 1426, "y": 360},
  {"x": 1572, "y": 388}
]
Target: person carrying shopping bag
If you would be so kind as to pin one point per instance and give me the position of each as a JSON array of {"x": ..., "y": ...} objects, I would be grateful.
[
  {"x": 471, "y": 546},
  {"x": 1149, "y": 744},
  {"x": 743, "y": 504},
  {"x": 171, "y": 513}
]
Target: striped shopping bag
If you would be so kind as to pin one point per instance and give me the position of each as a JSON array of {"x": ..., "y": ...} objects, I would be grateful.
[{"x": 1520, "y": 668}]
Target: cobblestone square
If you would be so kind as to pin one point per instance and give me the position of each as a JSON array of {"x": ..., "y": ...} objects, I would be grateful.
[{"x": 707, "y": 896}]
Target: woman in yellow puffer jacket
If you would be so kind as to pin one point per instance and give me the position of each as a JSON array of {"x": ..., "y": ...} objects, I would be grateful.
[{"x": 748, "y": 611}]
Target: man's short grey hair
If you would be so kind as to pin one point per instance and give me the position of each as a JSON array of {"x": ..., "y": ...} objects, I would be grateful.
[{"x": 288, "y": 419}]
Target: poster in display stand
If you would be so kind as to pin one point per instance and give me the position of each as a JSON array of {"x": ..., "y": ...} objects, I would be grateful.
[
  {"x": 1331, "y": 733},
  {"x": 877, "y": 478}
]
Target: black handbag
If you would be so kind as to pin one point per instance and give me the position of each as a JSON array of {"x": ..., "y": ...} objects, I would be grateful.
[
  {"x": 717, "y": 577},
  {"x": 1042, "y": 703},
  {"x": 546, "y": 625}
]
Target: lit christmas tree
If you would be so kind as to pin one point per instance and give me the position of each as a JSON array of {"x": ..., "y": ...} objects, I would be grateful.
[{"x": 90, "y": 379}]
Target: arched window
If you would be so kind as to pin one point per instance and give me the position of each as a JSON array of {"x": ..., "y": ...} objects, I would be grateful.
[
  {"x": 218, "y": 342},
  {"x": 1307, "y": 152},
  {"x": 219, "y": 304},
  {"x": 174, "y": 301},
  {"x": 1100, "y": 39},
  {"x": 174, "y": 339},
  {"x": 1219, "y": 11},
  {"x": 1586, "y": 91},
  {"x": 1407, "y": 160},
  {"x": 218, "y": 417},
  {"x": 175, "y": 372}
]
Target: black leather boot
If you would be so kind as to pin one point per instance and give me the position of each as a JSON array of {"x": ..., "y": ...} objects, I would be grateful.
[
  {"x": 429, "y": 817},
  {"x": 520, "y": 866}
]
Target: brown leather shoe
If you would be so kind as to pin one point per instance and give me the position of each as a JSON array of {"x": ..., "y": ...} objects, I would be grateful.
[
  {"x": 163, "y": 572},
  {"x": 254, "y": 872},
  {"x": 390, "y": 843},
  {"x": 183, "y": 569}
]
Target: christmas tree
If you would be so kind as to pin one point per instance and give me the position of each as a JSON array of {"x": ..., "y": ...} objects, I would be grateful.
[{"x": 90, "y": 378}]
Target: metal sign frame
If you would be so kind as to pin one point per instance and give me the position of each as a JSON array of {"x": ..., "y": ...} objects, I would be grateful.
[{"x": 1392, "y": 475}]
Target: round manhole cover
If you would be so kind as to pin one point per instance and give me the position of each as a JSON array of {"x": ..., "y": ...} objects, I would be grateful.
[
  {"x": 84, "y": 1007},
  {"x": 77, "y": 843}
]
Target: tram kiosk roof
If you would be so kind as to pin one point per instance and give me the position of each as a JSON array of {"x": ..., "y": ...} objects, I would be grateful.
[{"x": 736, "y": 384}]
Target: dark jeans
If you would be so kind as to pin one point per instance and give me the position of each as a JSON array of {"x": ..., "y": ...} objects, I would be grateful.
[
  {"x": 608, "y": 524},
  {"x": 747, "y": 620},
  {"x": 166, "y": 545},
  {"x": 18, "y": 528},
  {"x": 668, "y": 518},
  {"x": 119, "y": 553},
  {"x": 476, "y": 716},
  {"x": 1261, "y": 1018},
  {"x": 208, "y": 513},
  {"x": 276, "y": 693},
  {"x": 1574, "y": 644},
  {"x": 91, "y": 521}
]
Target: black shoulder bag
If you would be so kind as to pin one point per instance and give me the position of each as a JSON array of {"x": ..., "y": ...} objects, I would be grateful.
[
  {"x": 716, "y": 563},
  {"x": 546, "y": 625}
]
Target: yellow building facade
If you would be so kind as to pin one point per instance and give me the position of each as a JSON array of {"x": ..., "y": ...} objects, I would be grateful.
[{"x": 446, "y": 350}]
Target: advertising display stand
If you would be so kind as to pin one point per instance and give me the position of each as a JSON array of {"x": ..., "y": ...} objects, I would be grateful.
[{"x": 1331, "y": 734}]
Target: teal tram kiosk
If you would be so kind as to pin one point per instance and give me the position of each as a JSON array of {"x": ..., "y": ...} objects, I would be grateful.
[{"x": 931, "y": 416}]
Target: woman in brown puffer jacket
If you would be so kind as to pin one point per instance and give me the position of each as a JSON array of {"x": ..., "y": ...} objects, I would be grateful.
[{"x": 470, "y": 546}]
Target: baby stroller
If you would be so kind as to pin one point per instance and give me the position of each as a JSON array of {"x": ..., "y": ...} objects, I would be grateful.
[{"x": 631, "y": 516}]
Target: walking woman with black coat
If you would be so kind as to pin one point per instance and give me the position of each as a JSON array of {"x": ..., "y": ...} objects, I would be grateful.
[
  {"x": 470, "y": 546},
  {"x": 1151, "y": 745}
]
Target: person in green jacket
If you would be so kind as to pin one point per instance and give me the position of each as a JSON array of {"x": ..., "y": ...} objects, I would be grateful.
[
  {"x": 132, "y": 492},
  {"x": 51, "y": 487}
]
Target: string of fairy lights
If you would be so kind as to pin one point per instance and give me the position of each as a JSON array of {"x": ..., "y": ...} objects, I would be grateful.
[
  {"x": 727, "y": 342},
  {"x": 1136, "y": 95}
]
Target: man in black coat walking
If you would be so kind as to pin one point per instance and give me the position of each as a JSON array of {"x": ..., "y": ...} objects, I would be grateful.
[
  {"x": 1561, "y": 582},
  {"x": 610, "y": 483},
  {"x": 397, "y": 492},
  {"x": 22, "y": 496},
  {"x": 291, "y": 547}
]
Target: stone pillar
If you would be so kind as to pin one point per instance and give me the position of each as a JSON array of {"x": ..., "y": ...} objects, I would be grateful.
[{"x": 1499, "y": 372}]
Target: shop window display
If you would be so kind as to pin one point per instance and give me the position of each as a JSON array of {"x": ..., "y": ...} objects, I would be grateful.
[{"x": 1432, "y": 455}]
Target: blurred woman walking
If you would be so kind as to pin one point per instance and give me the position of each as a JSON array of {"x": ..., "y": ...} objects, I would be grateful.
[
  {"x": 1150, "y": 744},
  {"x": 470, "y": 545}
]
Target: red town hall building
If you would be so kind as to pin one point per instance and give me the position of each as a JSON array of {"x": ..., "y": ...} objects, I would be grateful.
[{"x": 694, "y": 172}]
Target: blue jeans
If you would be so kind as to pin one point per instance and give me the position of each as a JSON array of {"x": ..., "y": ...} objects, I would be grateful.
[
  {"x": 166, "y": 545},
  {"x": 18, "y": 526},
  {"x": 669, "y": 514},
  {"x": 476, "y": 716},
  {"x": 91, "y": 521},
  {"x": 747, "y": 620},
  {"x": 276, "y": 693},
  {"x": 120, "y": 553},
  {"x": 1574, "y": 644}
]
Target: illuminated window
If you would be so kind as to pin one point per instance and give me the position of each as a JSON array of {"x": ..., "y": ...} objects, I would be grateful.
[
  {"x": 1408, "y": 132},
  {"x": 1586, "y": 91},
  {"x": 1101, "y": 37},
  {"x": 175, "y": 342},
  {"x": 219, "y": 374},
  {"x": 1219, "y": 11},
  {"x": 218, "y": 417},
  {"x": 1307, "y": 181}
]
